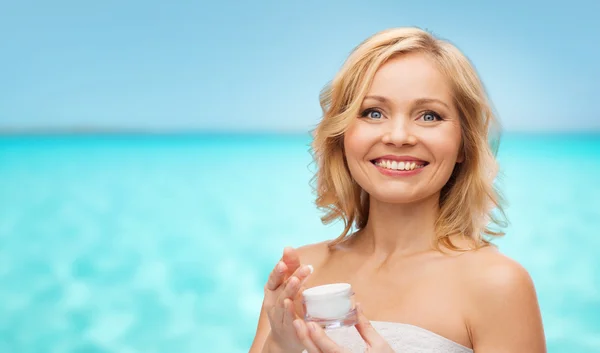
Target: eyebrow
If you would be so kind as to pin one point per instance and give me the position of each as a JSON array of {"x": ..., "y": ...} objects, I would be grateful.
[{"x": 420, "y": 101}]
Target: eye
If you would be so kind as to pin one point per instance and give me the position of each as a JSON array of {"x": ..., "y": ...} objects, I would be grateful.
[
  {"x": 430, "y": 116},
  {"x": 372, "y": 114}
]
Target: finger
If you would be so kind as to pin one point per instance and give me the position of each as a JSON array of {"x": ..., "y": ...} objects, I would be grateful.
[
  {"x": 291, "y": 259},
  {"x": 303, "y": 272},
  {"x": 276, "y": 277},
  {"x": 366, "y": 330},
  {"x": 289, "y": 290},
  {"x": 293, "y": 284},
  {"x": 298, "y": 297},
  {"x": 304, "y": 336},
  {"x": 321, "y": 340},
  {"x": 289, "y": 313}
]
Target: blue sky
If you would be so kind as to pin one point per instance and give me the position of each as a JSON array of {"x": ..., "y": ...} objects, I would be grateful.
[{"x": 259, "y": 66}]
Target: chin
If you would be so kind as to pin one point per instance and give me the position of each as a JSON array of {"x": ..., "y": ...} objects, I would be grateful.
[{"x": 396, "y": 197}]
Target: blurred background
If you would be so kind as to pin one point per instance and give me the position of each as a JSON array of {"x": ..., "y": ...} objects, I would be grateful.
[{"x": 154, "y": 159}]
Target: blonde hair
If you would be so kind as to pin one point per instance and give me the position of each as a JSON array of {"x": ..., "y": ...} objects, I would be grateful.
[{"x": 469, "y": 197}]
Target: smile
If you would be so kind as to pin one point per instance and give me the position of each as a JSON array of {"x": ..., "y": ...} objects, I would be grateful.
[
  {"x": 402, "y": 165},
  {"x": 394, "y": 168}
]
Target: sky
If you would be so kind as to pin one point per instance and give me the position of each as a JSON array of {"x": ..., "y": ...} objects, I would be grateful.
[{"x": 259, "y": 65}]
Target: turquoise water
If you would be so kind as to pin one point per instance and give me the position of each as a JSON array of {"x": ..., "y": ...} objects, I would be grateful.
[{"x": 163, "y": 243}]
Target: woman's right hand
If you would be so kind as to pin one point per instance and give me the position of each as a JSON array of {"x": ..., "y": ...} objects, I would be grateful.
[{"x": 285, "y": 282}]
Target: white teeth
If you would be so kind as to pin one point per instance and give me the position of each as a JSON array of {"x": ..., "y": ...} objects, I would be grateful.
[{"x": 395, "y": 165}]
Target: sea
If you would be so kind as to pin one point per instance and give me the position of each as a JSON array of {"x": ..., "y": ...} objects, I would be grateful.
[{"x": 132, "y": 243}]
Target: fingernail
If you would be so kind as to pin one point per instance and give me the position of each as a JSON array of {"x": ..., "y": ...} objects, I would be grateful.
[
  {"x": 305, "y": 270},
  {"x": 296, "y": 324},
  {"x": 310, "y": 268},
  {"x": 280, "y": 267},
  {"x": 312, "y": 326}
]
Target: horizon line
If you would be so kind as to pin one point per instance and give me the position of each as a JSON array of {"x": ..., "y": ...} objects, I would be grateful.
[{"x": 201, "y": 131}]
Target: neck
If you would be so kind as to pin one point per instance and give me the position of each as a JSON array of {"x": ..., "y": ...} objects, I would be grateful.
[{"x": 400, "y": 229}]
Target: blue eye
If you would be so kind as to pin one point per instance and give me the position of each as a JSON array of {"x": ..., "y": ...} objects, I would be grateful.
[
  {"x": 372, "y": 114},
  {"x": 431, "y": 116}
]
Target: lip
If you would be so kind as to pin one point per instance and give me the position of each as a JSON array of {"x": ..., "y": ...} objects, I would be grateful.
[
  {"x": 398, "y": 173},
  {"x": 391, "y": 157}
]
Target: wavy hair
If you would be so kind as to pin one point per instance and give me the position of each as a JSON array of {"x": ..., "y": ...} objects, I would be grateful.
[{"x": 469, "y": 199}]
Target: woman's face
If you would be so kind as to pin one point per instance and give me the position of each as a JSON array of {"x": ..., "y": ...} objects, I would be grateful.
[{"x": 405, "y": 142}]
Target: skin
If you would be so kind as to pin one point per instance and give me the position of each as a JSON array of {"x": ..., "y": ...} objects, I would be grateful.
[{"x": 487, "y": 300}]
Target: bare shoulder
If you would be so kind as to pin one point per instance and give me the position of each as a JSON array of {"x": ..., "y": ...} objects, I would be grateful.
[
  {"x": 500, "y": 302},
  {"x": 314, "y": 254},
  {"x": 487, "y": 271}
]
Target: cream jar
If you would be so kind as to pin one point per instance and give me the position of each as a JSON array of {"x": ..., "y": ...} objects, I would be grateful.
[{"x": 330, "y": 305}]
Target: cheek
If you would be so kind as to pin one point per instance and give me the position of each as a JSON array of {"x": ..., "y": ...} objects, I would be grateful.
[
  {"x": 352, "y": 142},
  {"x": 357, "y": 140},
  {"x": 447, "y": 143},
  {"x": 357, "y": 143}
]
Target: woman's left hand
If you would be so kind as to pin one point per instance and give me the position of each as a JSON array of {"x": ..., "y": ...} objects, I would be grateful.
[{"x": 315, "y": 340}]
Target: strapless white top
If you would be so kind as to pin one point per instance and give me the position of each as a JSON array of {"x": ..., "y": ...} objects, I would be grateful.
[{"x": 403, "y": 338}]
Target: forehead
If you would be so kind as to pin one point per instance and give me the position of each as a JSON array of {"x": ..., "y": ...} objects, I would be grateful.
[{"x": 411, "y": 76}]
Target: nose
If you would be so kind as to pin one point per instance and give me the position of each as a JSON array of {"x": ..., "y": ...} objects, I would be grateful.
[{"x": 398, "y": 133}]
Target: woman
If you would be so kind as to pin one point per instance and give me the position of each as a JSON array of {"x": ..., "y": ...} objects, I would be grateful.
[{"x": 404, "y": 159}]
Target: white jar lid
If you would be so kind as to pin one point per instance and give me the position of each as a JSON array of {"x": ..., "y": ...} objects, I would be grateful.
[{"x": 327, "y": 291}]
